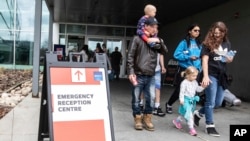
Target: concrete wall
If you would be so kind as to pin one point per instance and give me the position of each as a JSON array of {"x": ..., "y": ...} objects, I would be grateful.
[{"x": 239, "y": 36}]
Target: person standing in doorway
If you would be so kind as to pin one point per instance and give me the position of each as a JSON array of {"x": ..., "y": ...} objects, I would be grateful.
[
  {"x": 84, "y": 52},
  {"x": 187, "y": 54},
  {"x": 215, "y": 45},
  {"x": 99, "y": 50},
  {"x": 116, "y": 58},
  {"x": 105, "y": 50}
]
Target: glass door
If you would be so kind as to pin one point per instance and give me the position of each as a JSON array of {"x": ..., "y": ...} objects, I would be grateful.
[
  {"x": 92, "y": 43},
  {"x": 74, "y": 43},
  {"x": 111, "y": 43}
]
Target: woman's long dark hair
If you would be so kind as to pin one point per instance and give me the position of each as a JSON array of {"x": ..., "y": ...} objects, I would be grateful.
[{"x": 187, "y": 37}]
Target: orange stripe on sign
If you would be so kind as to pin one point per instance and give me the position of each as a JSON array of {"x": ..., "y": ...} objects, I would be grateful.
[
  {"x": 90, "y": 130},
  {"x": 62, "y": 76}
]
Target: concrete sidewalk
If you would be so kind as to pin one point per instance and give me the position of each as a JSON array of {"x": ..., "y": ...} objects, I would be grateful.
[{"x": 21, "y": 123}]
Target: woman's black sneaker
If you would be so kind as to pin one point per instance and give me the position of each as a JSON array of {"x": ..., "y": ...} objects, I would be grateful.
[
  {"x": 210, "y": 130},
  {"x": 169, "y": 110}
]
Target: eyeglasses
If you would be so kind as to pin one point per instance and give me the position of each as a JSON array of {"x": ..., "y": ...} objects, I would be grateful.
[{"x": 196, "y": 30}]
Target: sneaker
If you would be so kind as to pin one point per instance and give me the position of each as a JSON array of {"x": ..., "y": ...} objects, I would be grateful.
[
  {"x": 158, "y": 112},
  {"x": 192, "y": 132},
  {"x": 210, "y": 130},
  {"x": 177, "y": 124},
  {"x": 236, "y": 102},
  {"x": 197, "y": 118},
  {"x": 169, "y": 110}
]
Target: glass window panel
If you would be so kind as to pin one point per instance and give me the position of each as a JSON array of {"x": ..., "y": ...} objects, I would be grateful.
[
  {"x": 44, "y": 40},
  {"x": 117, "y": 31},
  {"x": 25, "y": 15},
  {"x": 112, "y": 43},
  {"x": 62, "y": 39},
  {"x": 6, "y": 14},
  {"x": 92, "y": 43},
  {"x": 76, "y": 29},
  {"x": 6, "y": 47},
  {"x": 107, "y": 31},
  {"x": 45, "y": 17},
  {"x": 62, "y": 28},
  {"x": 44, "y": 46},
  {"x": 24, "y": 49}
]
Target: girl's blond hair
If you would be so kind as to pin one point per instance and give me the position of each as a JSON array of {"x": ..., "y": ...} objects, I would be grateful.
[{"x": 190, "y": 70}]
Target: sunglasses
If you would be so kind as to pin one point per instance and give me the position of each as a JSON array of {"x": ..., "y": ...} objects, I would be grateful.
[{"x": 196, "y": 30}]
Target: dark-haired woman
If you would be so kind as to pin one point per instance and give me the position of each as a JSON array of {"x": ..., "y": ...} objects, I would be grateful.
[{"x": 187, "y": 54}]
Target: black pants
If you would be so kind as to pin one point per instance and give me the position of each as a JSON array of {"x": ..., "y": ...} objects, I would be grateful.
[
  {"x": 116, "y": 70},
  {"x": 175, "y": 95}
]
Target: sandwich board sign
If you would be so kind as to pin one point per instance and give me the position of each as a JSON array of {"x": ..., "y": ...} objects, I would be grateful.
[{"x": 79, "y": 106}]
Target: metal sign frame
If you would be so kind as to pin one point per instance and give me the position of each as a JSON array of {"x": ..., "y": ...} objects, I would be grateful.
[{"x": 99, "y": 81}]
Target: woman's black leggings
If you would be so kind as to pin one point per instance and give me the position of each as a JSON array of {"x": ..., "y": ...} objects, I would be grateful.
[{"x": 175, "y": 94}]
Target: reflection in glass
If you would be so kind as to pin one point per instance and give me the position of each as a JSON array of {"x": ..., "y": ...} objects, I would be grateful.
[
  {"x": 24, "y": 49},
  {"x": 6, "y": 47},
  {"x": 44, "y": 46},
  {"x": 112, "y": 43},
  {"x": 62, "y": 39},
  {"x": 62, "y": 28},
  {"x": 110, "y": 31},
  {"x": 6, "y": 15},
  {"x": 92, "y": 43},
  {"x": 45, "y": 17},
  {"x": 25, "y": 15},
  {"x": 76, "y": 29}
]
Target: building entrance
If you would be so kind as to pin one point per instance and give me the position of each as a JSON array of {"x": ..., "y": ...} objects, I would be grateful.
[{"x": 75, "y": 43}]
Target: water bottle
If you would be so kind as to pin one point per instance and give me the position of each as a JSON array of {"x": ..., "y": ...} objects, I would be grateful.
[{"x": 230, "y": 53}]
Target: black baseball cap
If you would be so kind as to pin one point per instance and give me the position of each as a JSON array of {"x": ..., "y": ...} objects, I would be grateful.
[{"x": 151, "y": 21}]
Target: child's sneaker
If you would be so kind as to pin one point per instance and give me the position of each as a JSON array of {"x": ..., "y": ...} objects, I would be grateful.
[
  {"x": 158, "y": 111},
  {"x": 177, "y": 124},
  {"x": 192, "y": 132}
]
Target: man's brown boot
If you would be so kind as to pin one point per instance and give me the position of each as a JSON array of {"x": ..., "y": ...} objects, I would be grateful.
[
  {"x": 147, "y": 122},
  {"x": 138, "y": 122}
]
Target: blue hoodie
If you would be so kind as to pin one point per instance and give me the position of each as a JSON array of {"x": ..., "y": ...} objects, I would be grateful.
[{"x": 183, "y": 53}]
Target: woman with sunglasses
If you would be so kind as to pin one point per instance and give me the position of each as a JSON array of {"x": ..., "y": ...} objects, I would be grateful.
[
  {"x": 215, "y": 46},
  {"x": 187, "y": 54}
]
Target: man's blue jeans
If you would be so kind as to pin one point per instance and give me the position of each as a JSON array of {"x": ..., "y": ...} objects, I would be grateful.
[
  {"x": 146, "y": 84},
  {"x": 214, "y": 96}
]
